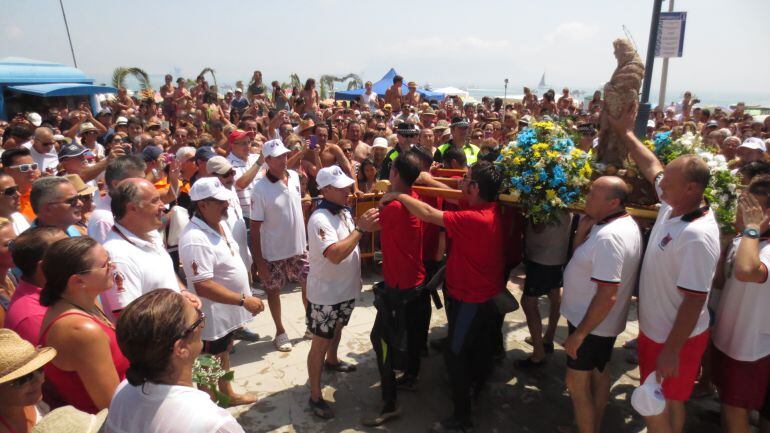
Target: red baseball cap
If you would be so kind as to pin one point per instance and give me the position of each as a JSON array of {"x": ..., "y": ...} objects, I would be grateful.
[{"x": 238, "y": 134}]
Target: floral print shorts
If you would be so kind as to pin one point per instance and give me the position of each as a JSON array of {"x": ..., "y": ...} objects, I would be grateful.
[
  {"x": 323, "y": 319},
  {"x": 293, "y": 269}
]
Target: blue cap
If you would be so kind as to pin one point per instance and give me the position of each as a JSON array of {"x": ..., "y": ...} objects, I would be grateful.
[
  {"x": 151, "y": 153},
  {"x": 204, "y": 153}
]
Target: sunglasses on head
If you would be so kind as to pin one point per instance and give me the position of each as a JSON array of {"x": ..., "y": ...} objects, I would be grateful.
[
  {"x": 200, "y": 321},
  {"x": 11, "y": 191},
  {"x": 25, "y": 167}
]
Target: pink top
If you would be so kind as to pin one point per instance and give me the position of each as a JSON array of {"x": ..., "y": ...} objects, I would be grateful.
[{"x": 25, "y": 314}]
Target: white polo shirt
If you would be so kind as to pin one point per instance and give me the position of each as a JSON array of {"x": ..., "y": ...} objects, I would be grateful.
[
  {"x": 742, "y": 329},
  {"x": 279, "y": 207},
  {"x": 207, "y": 255},
  {"x": 681, "y": 256},
  {"x": 19, "y": 222},
  {"x": 237, "y": 227},
  {"x": 240, "y": 166},
  {"x": 140, "y": 267},
  {"x": 44, "y": 160},
  {"x": 611, "y": 254},
  {"x": 327, "y": 283}
]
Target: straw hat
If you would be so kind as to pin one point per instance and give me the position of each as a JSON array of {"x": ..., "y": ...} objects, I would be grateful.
[
  {"x": 67, "y": 419},
  {"x": 79, "y": 185},
  {"x": 305, "y": 124},
  {"x": 18, "y": 357}
]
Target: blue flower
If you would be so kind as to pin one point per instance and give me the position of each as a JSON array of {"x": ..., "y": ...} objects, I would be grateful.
[
  {"x": 662, "y": 139},
  {"x": 527, "y": 137}
]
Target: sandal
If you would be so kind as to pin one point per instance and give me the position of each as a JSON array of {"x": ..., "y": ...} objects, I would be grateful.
[
  {"x": 340, "y": 367},
  {"x": 321, "y": 408},
  {"x": 282, "y": 343},
  {"x": 528, "y": 363}
]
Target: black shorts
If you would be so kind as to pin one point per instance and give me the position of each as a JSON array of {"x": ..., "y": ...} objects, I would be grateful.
[
  {"x": 541, "y": 279},
  {"x": 322, "y": 320},
  {"x": 219, "y": 346},
  {"x": 594, "y": 353}
]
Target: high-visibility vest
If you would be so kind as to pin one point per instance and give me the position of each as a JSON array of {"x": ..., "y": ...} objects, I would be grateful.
[{"x": 471, "y": 151}]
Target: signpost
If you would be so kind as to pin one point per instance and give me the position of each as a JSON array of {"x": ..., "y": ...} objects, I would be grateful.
[{"x": 670, "y": 40}]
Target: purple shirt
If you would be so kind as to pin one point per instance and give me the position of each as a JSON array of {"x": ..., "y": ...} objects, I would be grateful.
[{"x": 25, "y": 314}]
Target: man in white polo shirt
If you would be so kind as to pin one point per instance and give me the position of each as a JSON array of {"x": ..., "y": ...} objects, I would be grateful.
[
  {"x": 141, "y": 262},
  {"x": 278, "y": 242},
  {"x": 741, "y": 337},
  {"x": 598, "y": 283},
  {"x": 246, "y": 166},
  {"x": 675, "y": 280},
  {"x": 335, "y": 277},
  {"x": 43, "y": 151},
  {"x": 214, "y": 269}
]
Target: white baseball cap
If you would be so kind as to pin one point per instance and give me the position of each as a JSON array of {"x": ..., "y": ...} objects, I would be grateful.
[
  {"x": 218, "y": 165},
  {"x": 34, "y": 119},
  {"x": 380, "y": 142},
  {"x": 209, "y": 187},
  {"x": 754, "y": 143},
  {"x": 333, "y": 176},
  {"x": 121, "y": 121},
  {"x": 274, "y": 148},
  {"x": 648, "y": 398}
]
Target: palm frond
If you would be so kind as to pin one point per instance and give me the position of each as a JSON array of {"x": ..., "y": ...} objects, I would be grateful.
[{"x": 209, "y": 71}]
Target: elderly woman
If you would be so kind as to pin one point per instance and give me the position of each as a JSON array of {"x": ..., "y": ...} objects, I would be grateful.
[
  {"x": 160, "y": 333},
  {"x": 90, "y": 364},
  {"x": 21, "y": 382}
]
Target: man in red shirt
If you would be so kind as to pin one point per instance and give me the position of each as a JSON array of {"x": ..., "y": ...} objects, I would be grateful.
[
  {"x": 401, "y": 306},
  {"x": 474, "y": 275}
]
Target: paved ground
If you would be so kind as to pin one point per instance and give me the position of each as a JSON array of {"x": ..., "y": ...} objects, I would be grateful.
[{"x": 512, "y": 402}]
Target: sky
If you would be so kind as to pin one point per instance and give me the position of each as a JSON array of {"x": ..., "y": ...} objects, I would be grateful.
[{"x": 465, "y": 44}]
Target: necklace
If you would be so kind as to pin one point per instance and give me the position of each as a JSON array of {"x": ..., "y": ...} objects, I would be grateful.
[{"x": 101, "y": 316}]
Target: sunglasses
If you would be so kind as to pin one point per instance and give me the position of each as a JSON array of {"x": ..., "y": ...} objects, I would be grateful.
[
  {"x": 72, "y": 201},
  {"x": 25, "y": 167},
  {"x": 11, "y": 191},
  {"x": 228, "y": 174},
  {"x": 200, "y": 322},
  {"x": 27, "y": 378},
  {"x": 107, "y": 265}
]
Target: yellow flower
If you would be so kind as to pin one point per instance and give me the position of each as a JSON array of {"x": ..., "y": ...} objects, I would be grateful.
[
  {"x": 536, "y": 154},
  {"x": 550, "y": 194},
  {"x": 518, "y": 160},
  {"x": 552, "y": 154}
]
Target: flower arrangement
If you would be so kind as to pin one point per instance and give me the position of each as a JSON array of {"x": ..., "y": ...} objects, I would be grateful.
[
  {"x": 207, "y": 372},
  {"x": 544, "y": 171},
  {"x": 722, "y": 190}
]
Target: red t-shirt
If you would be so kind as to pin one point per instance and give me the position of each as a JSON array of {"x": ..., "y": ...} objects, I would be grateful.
[
  {"x": 475, "y": 267},
  {"x": 430, "y": 234},
  {"x": 401, "y": 242}
]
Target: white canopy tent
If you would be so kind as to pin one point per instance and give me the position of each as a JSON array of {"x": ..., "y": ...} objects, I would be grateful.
[{"x": 453, "y": 91}]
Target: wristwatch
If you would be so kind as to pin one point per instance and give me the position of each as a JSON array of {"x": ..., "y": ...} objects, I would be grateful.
[
  {"x": 359, "y": 230},
  {"x": 243, "y": 299},
  {"x": 751, "y": 233}
]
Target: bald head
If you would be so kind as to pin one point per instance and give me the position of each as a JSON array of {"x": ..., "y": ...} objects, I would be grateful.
[
  {"x": 694, "y": 169},
  {"x": 607, "y": 195},
  {"x": 44, "y": 134},
  {"x": 613, "y": 187}
]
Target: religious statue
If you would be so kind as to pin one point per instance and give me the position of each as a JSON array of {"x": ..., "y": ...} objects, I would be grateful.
[{"x": 619, "y": 92}]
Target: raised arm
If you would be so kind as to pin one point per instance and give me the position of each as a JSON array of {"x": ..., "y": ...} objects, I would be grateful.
[{"x": 647, "y": 162}]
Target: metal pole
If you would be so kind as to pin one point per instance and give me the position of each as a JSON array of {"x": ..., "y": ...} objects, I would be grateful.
[
  {"x": 72, "y": 50},
  {"x": 644, "y": 107},
  {"x": 506, "y": 90},
  {"x": 664, "y": 71}
]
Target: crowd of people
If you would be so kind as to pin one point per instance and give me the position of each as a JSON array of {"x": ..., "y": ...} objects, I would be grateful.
[{"x": 136, "y": 238}]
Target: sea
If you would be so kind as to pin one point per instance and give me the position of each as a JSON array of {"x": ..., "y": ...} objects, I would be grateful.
[{"x": 708, "y": 98}]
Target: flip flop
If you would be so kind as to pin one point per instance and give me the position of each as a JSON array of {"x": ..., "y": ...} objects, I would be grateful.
[
  {"x": 528, "y": 364},
  {"x": 340, "y": 367}
]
